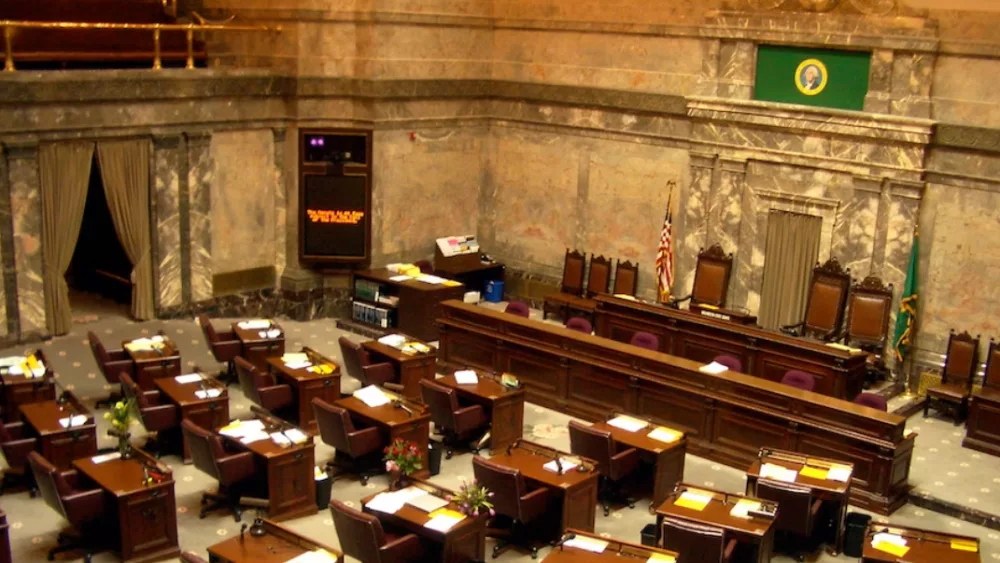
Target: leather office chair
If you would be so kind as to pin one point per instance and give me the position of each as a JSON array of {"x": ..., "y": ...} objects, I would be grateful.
[
  {"x": 711, "y": 278},
  {"x": 233, "y": 470},
  {"x": 696, "y": 543},
  {"x": 456, "y": 423},
  {"x": 518, "y": 308},
  {"x": 645, "y": 340},
  {"x": 111, "y": 363},
  {"x": 382, "y": 374},
  {"x": 828, "y": 292},
  {"x": 357, "y": 450},
  {"x": 871, "y": 400},
  {"x": 512, "y": 500},
  {"x": 614, "y": 466},
  {"x": 868, "y": 309},
  {"x": 225, "y": 347},
  {"x": 363, "y": 537},
  {"x": 355, "y": 357},
  {"x": 626, "y": 278},
  {"x": 16, "y": 446},
  {"x": 953, "y": 393},
  {"x": 599, "y": 277},
  {"x": 261, "y": 387},
  {"x": 795, "y": 522},
  {"x": 580, "y": 324},
  {"x": 731, "y": 363},
  {"x": 84, "y": 509},
  {"x": 191, "y": 557},
  {"x": 156, "y": 416},
  {"x": 574, "y": 265},
  {"x": 425, "y": 266},
  {"x": 799, "y": 380}
]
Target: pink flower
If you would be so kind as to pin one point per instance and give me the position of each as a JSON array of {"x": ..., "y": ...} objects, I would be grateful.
[
  {"x": 493, "y": 512},
  {"x": 391, "y": 466}
]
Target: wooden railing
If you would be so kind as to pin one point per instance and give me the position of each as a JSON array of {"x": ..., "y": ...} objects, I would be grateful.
[{"x": 9, "y": 26}]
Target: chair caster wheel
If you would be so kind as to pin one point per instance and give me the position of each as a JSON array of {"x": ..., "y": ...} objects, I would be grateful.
[
  {"x": 87, "y": 559},
  {"x": 607, "y": 511},
  {"x": 238, "y": 516},
  {"x": 496, "y": 551},
  {"x": 534, "y": 553},
  {"x": 33, "y": 493},
  {"x": 631, "y": 504},
  {"x": 448, "y": 454},
  {"x": 364, "y": 481}
]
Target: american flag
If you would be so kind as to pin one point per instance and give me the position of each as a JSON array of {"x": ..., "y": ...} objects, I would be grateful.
[{"x": 665, "y": 254}]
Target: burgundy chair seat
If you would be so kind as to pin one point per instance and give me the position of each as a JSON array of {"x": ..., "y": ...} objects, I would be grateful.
[
  {"x": 645, "y": 340},
  {"x": 872, "y": 400},
  {"x": 731, "y": 363},
  {"x": 799, "y": 379},
  {"x": 580, "y": 324},
  {"x": 518, "y": 308}
]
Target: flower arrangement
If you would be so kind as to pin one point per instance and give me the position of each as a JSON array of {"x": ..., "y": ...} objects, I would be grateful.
[
  {"x": 403, "y": 457},
  {"x": 473, "y": 499},
  {"x": 120, "y": 417}
]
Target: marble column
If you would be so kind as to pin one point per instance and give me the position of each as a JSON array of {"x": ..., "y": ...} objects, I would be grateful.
[
  {"x": 280, "y": 201},
  {"x": 708, "y": 79},
  {"x": 8, "y": 289},
  {"x": 200, "y": 171},
  {"x": 166, "y": 198},
  {"x": 693, "y": 215},
  {"x": 736, "y": 68},
  {"x": 911, "y": 84},
  {"x": 726, "y": 212},
  {"x": 879, "y": 82},
  {"x": 294, "y": 279},
  {"x": 26, "y": 216}
]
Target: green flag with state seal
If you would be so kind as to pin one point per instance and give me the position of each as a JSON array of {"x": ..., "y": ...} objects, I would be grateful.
[{"x": 907, "y": 315}]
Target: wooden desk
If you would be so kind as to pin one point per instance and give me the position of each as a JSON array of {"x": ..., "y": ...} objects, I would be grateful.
[
  {"x": 570, "y": 305},
  {"x": 504, "y": 406},
  {"x": 146, "y": 515},
  {"x": 418, "y": 305},
  {"x": 57, "y": 444},
  {"x": 616, "y": 552},
  {"x": 835, "y": 494},
  {"x": 667, "y": 459},
  {"x": 738, "y": 317},
  {"x": 764, "y": 353},
  {"x": 278, "y": 545},
  {"x": 925, "y": 546},
  {"x": 19, "y": 390},
  {"x": 727, "y": 418},
  {"x": 755, "y": 535},
  {"x": 256, "y": 348},
  {"x": 410, "y": 368},
  {"x": 209, "y": 413},
  {"x": 307, "y": 385},
  {"x": 473, "y": 275},
  {"x": 573, "y": 495},
  {"x": 983, "y": 425},
  {"x": 286, "y": 473},
  {"x": 395, "y": 423},
  {"x": 151, "y": 365},
  {"x": 465, "y": 542}
]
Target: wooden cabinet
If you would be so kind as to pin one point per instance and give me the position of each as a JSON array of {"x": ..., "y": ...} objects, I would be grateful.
[{"x": 148, "y": 521}]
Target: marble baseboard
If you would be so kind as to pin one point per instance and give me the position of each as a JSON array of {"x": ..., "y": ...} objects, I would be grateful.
[
  {"x": 978, "y": 517},
  {"x": 359, "y": 328},
  {"x": 296, "y": 305}
]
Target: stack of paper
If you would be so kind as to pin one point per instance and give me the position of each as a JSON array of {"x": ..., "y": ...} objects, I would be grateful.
[
  {"x": 427, "y": 502},
  {"x": 294, "y": 357},
  {"x": 840, "y": 346},
  {"x": 316, "y": 556},
  {"x": 372, "y": 396},
  {"x": 661, "y": 557},
  {"x": 400, "y": 278},
  {"x": 208, "y": 393},
  {"x": 427, "y": 278},
  {"x": 296, "y": 436},
  {"x": 443, "y": 520},
  {"x": 389, "y": 503},
  {"x": 105, "y": 457},
  {"x": 587, "y": 543},
  {"x": 157, "y": 339},
  {"x": 694, "y": 499},
  {"x": 813, "y": 472},
  {"x": 714, "y": 368},
  {"x": 415, "y": 348},
  {"x": 743, "y": 508},
  {"x": 466, "y": 377},
  {"x": 76, "y": 420},
  {"x": 839, "y": 472},
  {"x": 241, "y": 428},
  {"x": 778, "y": 473},
  {"x": 628, "y": 423},
  {"x": 965, "y": 545},
  {"x": 298, "y": 365},
  {"x": 394, "y": 340},
  {"x": 280, "y": 439},
  {"x": 139, "y": 345},
  {"x": 10, "y": 361},
  {"x": 566, "y": 465},
  {"x": 890, "y": 543},
  {"x": 664, "y": 434},
  {"x": 274, "y": 333},
  {"x": 254, "y": 324},
  {"x": 189, "y": 378}
]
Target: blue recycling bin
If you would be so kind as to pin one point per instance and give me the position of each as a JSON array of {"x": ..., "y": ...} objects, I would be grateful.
[{"x": 494, "y": 291}]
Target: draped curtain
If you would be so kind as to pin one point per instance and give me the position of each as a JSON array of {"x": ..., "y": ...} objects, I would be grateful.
[
  {"x": 125, "y": 172},
  {"x": 64, "y": 170},
  {"x": 790, "y": 254}
]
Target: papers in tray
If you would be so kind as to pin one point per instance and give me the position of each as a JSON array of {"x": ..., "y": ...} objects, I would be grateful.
[
  {"x": 427, "y": 502},
  {"x": 189, "y": 378},
  {"x": 400, "y": 278},
  {"x": 321, "y": 370},
  {"x": 814, "y": 472},
  {"x": 272, "y": 333},
  {"x": 466, "y": 377},
  {"x": 840, "y": 346},
  {"x": 587, "y": 544},
  {"x": 10, "y": 361},
  {"x": 254, "y": 437},
  {"x": 372, "y": 396},
  {"x": 664, "y": 434},
  {"x": 254, "y": 324},
  {"x": 778, "y": 473},
  {"x": 890, "y": 543},
  {"x": 294, "y": 358},
  {"x": 840, "y": 473},
  {"x": 289, "y": 437},
  {"x": 298, "y": 365},
  {"x": 714, "y": 368},
  {"x": 743, "y": 508},
  {"x": 389, "y": 503},
  {"x": 443, "y": 520},
  {"x": 208, "y": 393},
  {"x": 427, "y": 278},
  {"x": 567, "y": 465},
  {"x": 105, "y": 457},
  {"x": 242, "y": 428},
  {"x": 77, "y": 420},
  {"x": 694, "y": 499},
  {"x": 964, "y": 545},
  {"x": 315, "y": 556},
  {"x": 661, "y": 557},
  {"x": 394, "y": 340},
  {"x": 628, "y": 423}
]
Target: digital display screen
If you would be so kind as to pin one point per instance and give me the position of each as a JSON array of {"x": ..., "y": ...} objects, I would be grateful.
[{"x": 334, "y": 217}]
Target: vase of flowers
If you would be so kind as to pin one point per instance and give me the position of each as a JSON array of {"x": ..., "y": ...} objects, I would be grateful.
[
  {"x": 120, "y": 417},
  {"x": 473, "y": 499},
  {"x": 402, "y": 459}
]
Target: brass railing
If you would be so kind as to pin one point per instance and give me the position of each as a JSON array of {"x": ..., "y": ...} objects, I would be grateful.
[{"x": 189, "y": 29}]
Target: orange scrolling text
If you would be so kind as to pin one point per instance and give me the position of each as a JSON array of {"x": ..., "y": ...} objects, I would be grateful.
[{"x": 335, "y": 216}]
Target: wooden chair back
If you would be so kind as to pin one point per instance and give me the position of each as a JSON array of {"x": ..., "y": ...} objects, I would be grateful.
[
  {"x": 599, "y": 279},
  {"x": 711, "y": 276},
  {"x": 869, "y": 307},
  {"x": 962, "y": 359},
  {"x": 573, "y": 269},
  {"x": 992, "y": 380},
  {"x": 626, "y": 278},
  {"x": 828, "y": 293}
]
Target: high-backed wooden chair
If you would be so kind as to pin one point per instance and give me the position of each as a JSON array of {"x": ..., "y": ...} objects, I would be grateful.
[
  {"x": 868, "y": 309},
  {"x": 599, "y": 278},
  {"x": 828, "y": 292},
  {"x": 991, "y": 377},
  {"x": 626, "y": 278},
  {"x": 574, "y": 266},
  {"x": 711, "y": 278},
  {"x": 956, "y": 378}
]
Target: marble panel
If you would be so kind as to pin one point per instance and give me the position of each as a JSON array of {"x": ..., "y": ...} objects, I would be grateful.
[
  {"x": 725, "y": 211},
  {"x": 963, "y": 94},
  {"x": 166, "y": 195},
  {"x": 26, "y": 215},
  {"x": 201, "y": 171},
  {"x": 281, "y": 176},
  {"x": 410, "y": 51},
  {"x": 737, "y": 61},
  {"x": 692, "y": 235},
  {"x": 708, "y": 80}
]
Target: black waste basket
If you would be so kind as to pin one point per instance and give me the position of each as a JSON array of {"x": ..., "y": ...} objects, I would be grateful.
[
  {"x": 323, "y": 489},
  {"x": 434, "y": 457},
  {"x": 649, "y": 535},
  {"x": 854, "y": 533}
]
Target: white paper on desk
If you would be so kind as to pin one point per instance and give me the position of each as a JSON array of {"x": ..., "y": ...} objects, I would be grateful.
[
  {"x": 254, "y": 437},
  {"x": 393, "y": 340},
  {"x": 280, "y": 439},
  {"x": 77, "y": 420},
  {"x": 466, "y": 377},
  {"x": 840, "y": 473},
  {"x": 189, "y": 378},
  {"x": 888, "y": 538},
  {"x": 778, "y": 473},
  {"x": 254, "y": 324},
  {"x": 273, "y": 333},
  {"x": 317, "y": 556},
  {"x": 587, "y": 544},
  {"x": 743, "y": 508},
  {"x": 664, "y": 434},
  {"x": 208, "y": 393},
  {"x": 105, "y": 457},
  {"x": 38, "y": 371},
  {"x": 428, "y": 502},
  {"x": 294, "y": 357},
  {"x": 628, "y": 423},
  {"x": 427, "y": 278},
  {"x": 242, "y": 428},
  {"x": 158, "y": 338},
  {"x": 566, "y": 466},
  {"x": 443, "y": 522},
  {"x": 400, "y": 278},
  {"x": 10, "y": 361},
  {"x": 388, "y": 503},
  {"x": 15, "y": 370},
  {"x": 296, "y": 436},
  {"x": 714, "y": 368},
  {"x": 372, "y": 396},
  {"x": 298, "y": 365}
]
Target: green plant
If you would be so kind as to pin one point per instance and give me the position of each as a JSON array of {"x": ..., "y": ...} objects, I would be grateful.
[
  {"x": 473, "y": 499},
  {"x": 120, "y": 415},
  {"x": 403, "y": 456}
]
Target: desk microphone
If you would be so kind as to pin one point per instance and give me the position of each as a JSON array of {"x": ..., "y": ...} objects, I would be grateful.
[
  {"x": 400, "y": 405},
  {"x": 563, "y": 540},
  {"x": 559, "y": 466}
]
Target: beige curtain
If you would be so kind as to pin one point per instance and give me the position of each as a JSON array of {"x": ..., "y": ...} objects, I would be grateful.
[
  {"x": 64, "y": 171},
  {"x": 125, "y": 171},
  {"x": 789, "y": 257}
]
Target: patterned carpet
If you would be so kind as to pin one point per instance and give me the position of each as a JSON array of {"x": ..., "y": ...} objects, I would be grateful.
[{"x": 34, "y": 526}]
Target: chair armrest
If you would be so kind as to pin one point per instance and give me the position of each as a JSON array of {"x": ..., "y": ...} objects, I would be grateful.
[
  {"x": 534, "y": 503},
  {"x": 226, "y": 349},
  {"x": 470, "y": 417},
  {"x": 72, "y": 477},
  {"x": 624, "y": 462},
  {"x": 408, "y": 544},
  {"x": 727, "y": 555},
  {"x": 793, "y": 330},
  {"x": 15, "y": 429},
  {"x": 393, "y": 386},
  {"x": 815, "y": 508},
  {"x": 237, "y": 467},
  {"x": 830, "y": 336},
  {"x": 114, "y": 369},
  {"x": 84, "y": 506},
  {"x": 276, "y": 396},
  {"x": 365, "y": 440},
  {"x": 160, "y": 417},
  {"x": 226, "y": 335},
  {"x": 16, "y": 451},
  {"x": 153, "y": 397},
  {"x": 118, "y": 356}
]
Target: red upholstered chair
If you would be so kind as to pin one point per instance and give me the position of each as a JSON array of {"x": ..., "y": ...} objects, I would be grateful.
[
  {"x": 872, "y": 400},
  {"x": 233, "y": 470},
  {"x": 613, "y": 463},
  {"x": 580, "y": 324},
  {"x": 828, "y": 293},
  {"x": 645, "y": 340},
  {"x": 514, "y": 500},
  {"x": 357, "y": 450},
  {"x": 696, "y": 543},
  {"x": 363, "y": 538},
  {"x": 518, "y": 308},
  {"x": 799, "y": 379},
  {"x": 731, "y": 363},
  {"x": 796, "y": 519},
  {"x": 261, "y": 387},
  {"x": 382, "y": 374},
  {"x": 157, "y": 415},
  {"x": 83, "y": 507},
  {"x": 953, "y": 393},
  {"x": 225, "y": 347},
  {"x": 456, "y": 423},
  {"x": 16, "y": 444},
  {"x": 354, "y": 357},
  {"x": 111, "y": 363}
]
